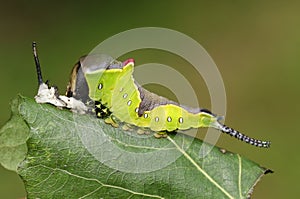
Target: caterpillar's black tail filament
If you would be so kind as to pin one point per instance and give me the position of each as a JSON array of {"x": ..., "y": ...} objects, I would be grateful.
[
  {"x": 37, "y": 64},
  {"x": 240, "y": 136}
]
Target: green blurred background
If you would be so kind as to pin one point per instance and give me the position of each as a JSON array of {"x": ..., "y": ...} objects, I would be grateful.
[{"x": 255, "y": 44}]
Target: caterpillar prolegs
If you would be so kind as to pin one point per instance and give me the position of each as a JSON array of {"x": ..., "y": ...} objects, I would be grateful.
[{"x": 106, "y": 86}]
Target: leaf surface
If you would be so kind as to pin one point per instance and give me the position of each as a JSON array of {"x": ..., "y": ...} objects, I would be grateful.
[{"x": 79, "y": 156}]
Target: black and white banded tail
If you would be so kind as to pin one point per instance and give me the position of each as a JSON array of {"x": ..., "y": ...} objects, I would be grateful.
[{"x": 240, "y": 136}]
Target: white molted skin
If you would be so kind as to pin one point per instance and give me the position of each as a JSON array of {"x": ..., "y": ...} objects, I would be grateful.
[
  {"x": 74, "y": 104},
  {"x": 47, "y": 95}
]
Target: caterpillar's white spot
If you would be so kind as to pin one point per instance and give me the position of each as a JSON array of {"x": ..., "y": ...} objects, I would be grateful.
[
  {"x": 121, "y": 89},
  {"x": 100, "y": 86},
  {"x": 156, "y": 119},
  {"x": 169, "y": 119},
  {"x": 180, "y": 120},
  {"x": 129, "y": 103},
  {"x": 137, "y": 110},
  {"x": 125, "y": 95},
  {"x": 145, "y": 115}
]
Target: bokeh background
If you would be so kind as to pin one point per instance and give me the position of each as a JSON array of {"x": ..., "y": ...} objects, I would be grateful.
[{"x": 255, "y": 44}]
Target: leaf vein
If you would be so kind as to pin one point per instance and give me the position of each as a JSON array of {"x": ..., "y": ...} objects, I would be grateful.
[
  {"x": 240, "y": 175},
  {"x": 102, "y": 184},
  {"x": 200, "y": 169}
]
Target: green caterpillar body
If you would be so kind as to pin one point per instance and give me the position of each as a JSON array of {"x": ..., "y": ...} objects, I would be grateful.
[
  {"x": 102, "y": 85},
  {"x": 116, "y": 89},
  {"x": 111, "y": 83}
]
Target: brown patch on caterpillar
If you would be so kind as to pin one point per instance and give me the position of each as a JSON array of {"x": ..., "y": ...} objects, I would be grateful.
[{"x": 151, "y": 100}]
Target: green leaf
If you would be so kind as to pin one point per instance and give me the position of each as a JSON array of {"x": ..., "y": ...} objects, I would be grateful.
[
  {"x": 13, "y": 136},
  {"x": 79, "y": 156}
]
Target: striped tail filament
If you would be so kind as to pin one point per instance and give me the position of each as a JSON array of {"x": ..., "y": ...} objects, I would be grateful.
[{"x": 242, "y": 137}]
